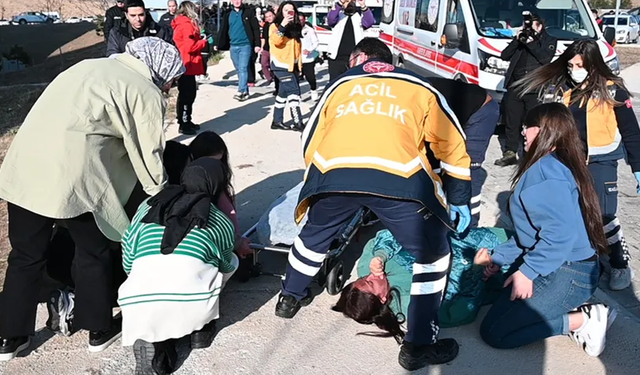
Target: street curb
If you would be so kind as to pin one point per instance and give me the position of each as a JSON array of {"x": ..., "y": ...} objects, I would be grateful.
[{"x": 604, "y": 297}]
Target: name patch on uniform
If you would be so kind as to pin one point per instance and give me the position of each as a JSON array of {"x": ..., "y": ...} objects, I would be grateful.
[
  {"x": 378, "y": 67},
  {"x": 612, "y": 189},
  {"x": 628, "y": 103},
  {"x": 376, "y": 103}
]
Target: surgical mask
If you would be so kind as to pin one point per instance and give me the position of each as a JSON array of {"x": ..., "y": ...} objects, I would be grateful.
[{"x": 578, "y": 75}]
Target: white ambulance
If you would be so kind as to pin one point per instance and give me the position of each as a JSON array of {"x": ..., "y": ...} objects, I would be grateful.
[
  {"x": 318, "y": 13},
  {"x": 463, "y": 39}
]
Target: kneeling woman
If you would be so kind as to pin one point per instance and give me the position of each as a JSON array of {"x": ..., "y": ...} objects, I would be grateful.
[
  {"x": 558, "y": 234},
  {"x": 178, "y": 253}
]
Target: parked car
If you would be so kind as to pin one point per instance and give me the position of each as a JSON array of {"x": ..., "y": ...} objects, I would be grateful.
[
  {"x": 31, "y": 17},
  {"x": 73, "y": 20},
  {"x": 627, "y": 30},
  {"x": 5, "y": 22},
  {"x": 88, "y": 19}
]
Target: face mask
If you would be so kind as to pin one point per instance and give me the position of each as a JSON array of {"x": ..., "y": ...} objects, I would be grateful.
[{"x": 578, "y": 75}]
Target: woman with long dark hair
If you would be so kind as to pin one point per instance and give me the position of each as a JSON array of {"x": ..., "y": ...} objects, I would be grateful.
[
  {"x": 286, "y": 63},
  {"x": 607, "y": 124},
  {"x": 558, "y": 236}
]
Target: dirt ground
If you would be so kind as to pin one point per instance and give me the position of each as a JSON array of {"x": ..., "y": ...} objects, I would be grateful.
[{"x": 628, "y": 55}]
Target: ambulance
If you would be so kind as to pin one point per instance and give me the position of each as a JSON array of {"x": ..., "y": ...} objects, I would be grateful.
[
  {"x": 463, "y": 39},
  {"x": 317, "y": 16}
]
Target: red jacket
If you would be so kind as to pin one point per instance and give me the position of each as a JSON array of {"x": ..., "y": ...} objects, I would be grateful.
[{"x": 187, "y": 38}]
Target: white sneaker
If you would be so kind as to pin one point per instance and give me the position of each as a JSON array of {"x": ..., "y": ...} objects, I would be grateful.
[
  {"x": 593, "y": 336},
  {"x": 620, "y": 278},
  {"x": 314, "y": 95}
]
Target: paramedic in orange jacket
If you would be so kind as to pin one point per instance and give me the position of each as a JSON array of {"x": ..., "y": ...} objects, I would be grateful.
[{"x": 365, "y": 145}]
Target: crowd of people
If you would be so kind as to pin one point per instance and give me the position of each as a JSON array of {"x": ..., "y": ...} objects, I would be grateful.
[{"x": 119, "y": 216}]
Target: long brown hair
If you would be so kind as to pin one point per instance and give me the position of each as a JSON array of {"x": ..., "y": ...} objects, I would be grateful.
[
  {"x": 559, "y": 134},
  {"x": 556, "y": 75}
]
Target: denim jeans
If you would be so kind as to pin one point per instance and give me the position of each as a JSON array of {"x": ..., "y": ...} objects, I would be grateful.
[
  {"x": 479, "y": 130},
  {"x": 241, "y": 55},
  {"x": 511, "y": 324},
  {"x": 424, "y": 236}
]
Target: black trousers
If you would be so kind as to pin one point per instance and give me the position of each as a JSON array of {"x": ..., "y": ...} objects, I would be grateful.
[
  {"x": 309, "y": 73},
  {"x": 187, "y": 89},
  {"x": 515, "y": 110},
  {"x": 252, "y": 67},
  {"x": 30, "y": 234},
  {"x": 337, "y": 67}
]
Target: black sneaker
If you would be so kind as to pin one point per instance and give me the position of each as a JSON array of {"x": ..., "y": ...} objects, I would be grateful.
[
  {"x": 186, "y": 129},
  {"x": 10, "y": 348},
  {"x": 60, "y": 307},
  {"x": 203, "y": 338},
  {"x": 414, "y": 357},
  {"x": 99, "y": 341},
  {"x": 297, "y": 127},
  {"x": 241, "y": 96},
  {"x": 287, "y": 306},
  {"x": 507, "y": 159},
  {"x": 195, "y": 126},
  {"x": 279, "y": 126},
  {"x": 144, "y": 352}
]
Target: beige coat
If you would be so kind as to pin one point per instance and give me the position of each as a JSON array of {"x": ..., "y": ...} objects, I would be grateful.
[{"x": 96, "y": 130}]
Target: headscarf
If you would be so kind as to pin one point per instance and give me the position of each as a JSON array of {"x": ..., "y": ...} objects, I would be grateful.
[
  {"x": 180, "y": 208},
  {"x": 162, "y": 58}
]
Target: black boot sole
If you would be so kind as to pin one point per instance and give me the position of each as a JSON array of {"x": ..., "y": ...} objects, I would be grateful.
[
  {"x": 144, "y": 353},
  {"x": 290, "y": 313},
  {"x": 411, "y": 363}
]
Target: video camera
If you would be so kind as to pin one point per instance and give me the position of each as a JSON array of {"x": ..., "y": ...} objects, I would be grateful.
[{"x": 527, "y": 27}]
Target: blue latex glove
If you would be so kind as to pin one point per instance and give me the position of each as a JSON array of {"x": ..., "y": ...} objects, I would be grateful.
[
  {"x": 463, "y": 214},
  {"x": 637, "y": 174},
  {"x": 210, "y": 40}
]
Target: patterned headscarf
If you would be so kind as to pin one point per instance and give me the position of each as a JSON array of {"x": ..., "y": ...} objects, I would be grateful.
[{"x": 162, "y": 58}]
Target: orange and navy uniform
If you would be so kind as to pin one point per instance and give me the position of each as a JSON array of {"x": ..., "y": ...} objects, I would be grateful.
[{"x": 369, "y": 133}]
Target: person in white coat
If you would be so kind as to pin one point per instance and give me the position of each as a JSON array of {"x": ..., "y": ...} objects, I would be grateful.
[{"x": 310, "y": 54}]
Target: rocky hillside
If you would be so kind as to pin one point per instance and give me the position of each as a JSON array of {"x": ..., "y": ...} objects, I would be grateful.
[{"x": 66, "y": 8}]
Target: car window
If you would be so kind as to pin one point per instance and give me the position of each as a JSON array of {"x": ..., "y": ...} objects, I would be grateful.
[{"x": 427, "y": 12}]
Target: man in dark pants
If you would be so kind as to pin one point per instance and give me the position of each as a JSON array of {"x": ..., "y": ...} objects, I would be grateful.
[
  {"x": 114, "y": 18},
  {"x": 367, "y": 136},
  {"x": 525, "y": 56},
  {"x": 139, "y": 24},
  {"x": 478, "y": 114}
]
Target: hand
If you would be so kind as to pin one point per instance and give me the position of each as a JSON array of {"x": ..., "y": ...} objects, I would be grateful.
[
  {"x": 286, "y": 20},
  {"x": 305, "y": 52},
  {"x": 522, "y": 287},
  {"x": 463, "y": 214},
  {"x": 257, "y": 49},
  {"x": 344, "y": 3},
  {"x": 242, "y": 248},
  {"x": 637, "y": 174},
  {"x": 482, "y": 258},
  {"x": 210, "y": 40},
  {"x": 376, "y": 266},
  {"x": 490, "y": 270}
]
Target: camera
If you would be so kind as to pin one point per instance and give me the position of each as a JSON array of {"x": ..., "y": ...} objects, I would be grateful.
[{"x": 527, "y": 27}]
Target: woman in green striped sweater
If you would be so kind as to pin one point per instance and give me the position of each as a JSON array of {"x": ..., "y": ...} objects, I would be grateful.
[{"x": 178, "y": 253}]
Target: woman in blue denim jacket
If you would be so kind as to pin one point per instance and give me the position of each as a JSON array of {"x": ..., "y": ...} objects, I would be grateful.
[{"x": 554, "y": 253}]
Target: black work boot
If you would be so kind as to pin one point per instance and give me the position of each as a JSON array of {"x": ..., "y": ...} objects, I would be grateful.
[
  {"x": 507, "y": 159},
  {"x": 413, "y": 357},
  {"x": 203, "y": 338},
  {"x": 187, "y": 129},
  {"x": 287, "y": 306},
  {"x": 279, "y": 126},
  {"x": 100, "y": 340}
]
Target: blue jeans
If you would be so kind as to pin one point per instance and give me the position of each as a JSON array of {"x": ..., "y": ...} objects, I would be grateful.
[
  {"x": 421, "y": 234},
  {"x": 511, "y": 324},
  {"x": 241, "y": 55},
  {"x": 479, "y": 130}
]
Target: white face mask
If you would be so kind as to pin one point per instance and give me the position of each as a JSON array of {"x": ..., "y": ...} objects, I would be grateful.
[{"x": 578, "y": 75}]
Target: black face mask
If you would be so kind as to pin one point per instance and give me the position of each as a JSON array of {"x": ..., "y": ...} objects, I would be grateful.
[{"x": 351, "y": 9}]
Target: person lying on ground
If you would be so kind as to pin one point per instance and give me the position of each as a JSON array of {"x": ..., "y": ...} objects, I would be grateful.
[
  {"x": 382, "y": 292},
  {"x": 91, "y": 136},
  {"x": 554, "y": 253},
  {"x": 178, "y": 254},
  {"x": 210, "y": 144}
]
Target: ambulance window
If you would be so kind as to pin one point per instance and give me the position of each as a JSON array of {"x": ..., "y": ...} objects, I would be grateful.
[
  {"x": 427, "y": 15},
  {"x": 387, "y": 11}
]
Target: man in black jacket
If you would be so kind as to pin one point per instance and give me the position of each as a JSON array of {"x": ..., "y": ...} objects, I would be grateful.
[
  {"x": 114, "y": 18},
  {"x": 525, "y": 55},
  {"x": 240, "y": 33},
  {"x": 139, "y": 24}
]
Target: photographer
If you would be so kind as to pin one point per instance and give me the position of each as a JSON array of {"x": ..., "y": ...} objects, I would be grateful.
[
  {"x": 348, "y": 21},
  {"x": 532, "y": 48}
]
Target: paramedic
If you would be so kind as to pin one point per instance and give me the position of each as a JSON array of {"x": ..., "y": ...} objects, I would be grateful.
[
  {"x": 524, "y": 56},
  {"x": 114, "y": 18},
  {"x": 378, "y": 104},
  {"x": 478, "y": 114},
  {"x": 347, "y": 23}
]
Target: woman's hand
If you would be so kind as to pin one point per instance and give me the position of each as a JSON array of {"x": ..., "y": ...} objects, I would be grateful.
[
  {"x": 305, "y": 52},
  {"x": 522, "y": 287},
  {"x": 482, "y": 258},
  {"x": 288, "y": 18},
  {"x": 376, "y": 266},
  {"x": 243, "y": 249},
  {"x": 490, "y": 271}
]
